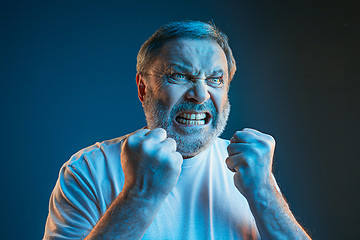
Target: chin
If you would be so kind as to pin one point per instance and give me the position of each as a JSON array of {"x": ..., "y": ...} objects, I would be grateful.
[{"x": 189, "y": 146}]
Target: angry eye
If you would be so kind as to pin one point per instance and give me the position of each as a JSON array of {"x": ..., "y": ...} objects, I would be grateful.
[
  {"x": 217, "y": 81},
  {"x": 178, "y": 76}
]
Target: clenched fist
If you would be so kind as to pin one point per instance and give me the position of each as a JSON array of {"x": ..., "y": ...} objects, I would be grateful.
[
  {"x": 250, "y": 157},
  {"x": 150, "y": 163}
]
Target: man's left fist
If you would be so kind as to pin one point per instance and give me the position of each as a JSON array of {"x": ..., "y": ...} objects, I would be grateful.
[{"x": 250, "y": 157}]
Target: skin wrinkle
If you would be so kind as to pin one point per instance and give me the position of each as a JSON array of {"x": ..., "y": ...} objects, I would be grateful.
[
  {"x": 188, "y": 57},
  {"x": 156, "y": 116},
  {"x": 138, "y": 203},
  {"x": 192, "y": 74},
  {"x": 164, "y": 100}
]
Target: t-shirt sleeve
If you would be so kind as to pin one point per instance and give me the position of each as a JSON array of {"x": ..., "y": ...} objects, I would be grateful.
[{"x": 73, "y": 209}]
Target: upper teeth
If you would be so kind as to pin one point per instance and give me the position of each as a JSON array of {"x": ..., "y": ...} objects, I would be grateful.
[{"x": 192, "y": 116}]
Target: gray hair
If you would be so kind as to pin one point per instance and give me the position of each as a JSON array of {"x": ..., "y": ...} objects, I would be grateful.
[{"x": 183, "y": 29}]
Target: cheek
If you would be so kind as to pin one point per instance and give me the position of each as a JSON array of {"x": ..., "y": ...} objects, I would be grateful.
[
  {"x": 171, "y": 95},
  {"x": 219, "y": 99}
]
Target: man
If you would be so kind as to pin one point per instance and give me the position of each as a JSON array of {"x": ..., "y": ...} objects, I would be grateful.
[{"x": 175, "y": 179}]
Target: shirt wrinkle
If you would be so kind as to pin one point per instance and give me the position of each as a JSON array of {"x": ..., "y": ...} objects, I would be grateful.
[{"x": 204, "y": 202}]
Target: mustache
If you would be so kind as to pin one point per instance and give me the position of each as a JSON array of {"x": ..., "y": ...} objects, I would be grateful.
[{"x": 190, "y": 106}]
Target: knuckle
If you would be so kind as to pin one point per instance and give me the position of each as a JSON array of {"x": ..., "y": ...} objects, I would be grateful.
[
  {"x": 260, "y": 151},
  {"x": 178, "y": 156},
  {"x": 160, "y": 131},
  {"x": 162, "y": 153},
  {"x": 131, "y": 142},
  {"x": 237, "y": 134},
  {"x": 250, "y": 154},
  {"x": 142, "y": 131},
  {"x": 175, "y": 159},
  {"x": 272, "y": 140},
  {"x": 236, "y": 137},
  {"x": 147, "y": 146},
  {"x": 228, "y": 161},
  {"x": 130, "y": 139},
  {"x": 172, "y": 142},
  {"x": 255, "y": 154},
  {"x": 229, "y": 147},
  {"x": 264, "y": 143}
]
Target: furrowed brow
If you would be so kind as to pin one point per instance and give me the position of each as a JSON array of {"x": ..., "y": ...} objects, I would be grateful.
[
  {"x": 217, "y": 72},
  {"x": 180, "y": 68},
  {"x": 189, "y": 70}
]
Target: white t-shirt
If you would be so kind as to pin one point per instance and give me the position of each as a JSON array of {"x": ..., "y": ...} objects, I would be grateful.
[{"x": 204, "y": 204}]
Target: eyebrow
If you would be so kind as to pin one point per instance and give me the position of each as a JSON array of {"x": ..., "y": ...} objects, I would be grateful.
[
  {"x": 218, "y": 72},
  {"x": 181, "y": 68},
  {"x": 186, "y": 69}
]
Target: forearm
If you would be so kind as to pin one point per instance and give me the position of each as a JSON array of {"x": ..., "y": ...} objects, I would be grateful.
[
  {"x": 128, "y": 217},
  {"x": 273, "y": 217}
]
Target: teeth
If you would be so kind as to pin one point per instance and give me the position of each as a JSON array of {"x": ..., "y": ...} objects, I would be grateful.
[
  {"x": 193, "y": 116},
  {"x": 191, "y": 122},
  {"x": 200, "y": 116}
]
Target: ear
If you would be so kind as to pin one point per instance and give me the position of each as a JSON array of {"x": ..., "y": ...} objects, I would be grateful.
[{"x": 141, "y": 86}]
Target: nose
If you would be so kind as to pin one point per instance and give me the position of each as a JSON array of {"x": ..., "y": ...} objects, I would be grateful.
[{"x": 198, "y": 92}]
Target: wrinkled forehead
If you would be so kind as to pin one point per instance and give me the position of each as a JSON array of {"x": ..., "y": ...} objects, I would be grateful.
[{"x": 195, "y": 55}]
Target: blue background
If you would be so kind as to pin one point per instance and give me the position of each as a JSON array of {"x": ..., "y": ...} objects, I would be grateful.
[{"x": 67, "y": 71}]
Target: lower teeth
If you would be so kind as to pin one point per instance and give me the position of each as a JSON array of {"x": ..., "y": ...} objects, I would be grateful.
[{"x": 191, "y": 122}]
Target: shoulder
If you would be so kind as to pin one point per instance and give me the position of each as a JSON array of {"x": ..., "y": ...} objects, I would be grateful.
[
  {"x": 96, "y": 155},
  {"x": 87, "y": 184},
  {"x": 95, "y": 168}
]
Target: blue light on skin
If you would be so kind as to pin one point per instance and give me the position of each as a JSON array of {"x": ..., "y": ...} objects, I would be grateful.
[{"x": 163, "y": 99}]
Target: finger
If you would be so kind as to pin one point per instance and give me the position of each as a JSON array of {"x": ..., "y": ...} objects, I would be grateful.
[
  {"x": 179, "y": 157},
  {"x": 235, "y": 162},
  {"x": 158, "y": 134},
  {"x": 262, "y": 135},
  {"x": 229, "y": 164},
  {"x": 170, "y": 144},
  {"x": 236, "y": 148},
  {"x": 256, "y": 132},
  {"x": 237, "y": 180},
  {"x": 140, "y": 133},
  {"x": 243, "y": 137},
  {"x": 137, "y": 136}
]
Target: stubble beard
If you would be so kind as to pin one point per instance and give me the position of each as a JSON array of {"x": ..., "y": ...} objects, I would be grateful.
[{"x": 190, "y": 141}]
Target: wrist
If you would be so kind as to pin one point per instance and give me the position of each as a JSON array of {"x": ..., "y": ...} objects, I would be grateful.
[
  {"x": 141, "y": 195},
  {"x": 262, "y": 198}
]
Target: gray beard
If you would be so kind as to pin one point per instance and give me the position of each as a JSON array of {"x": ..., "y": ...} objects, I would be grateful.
[{"x": 190, "y": 142}]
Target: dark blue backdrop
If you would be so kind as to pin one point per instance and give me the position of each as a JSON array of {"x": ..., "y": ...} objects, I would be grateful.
[{"x": 67, "y": 71}]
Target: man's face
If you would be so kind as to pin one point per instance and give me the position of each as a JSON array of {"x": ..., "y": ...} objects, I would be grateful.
[{"x": 185, "y": 92}]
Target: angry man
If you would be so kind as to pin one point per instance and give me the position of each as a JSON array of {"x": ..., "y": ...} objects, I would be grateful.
[{"x": 175, "y": 178}]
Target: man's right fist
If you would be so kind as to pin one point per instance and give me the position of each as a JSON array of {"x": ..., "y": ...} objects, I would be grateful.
[{"x": 150, "y": 163}]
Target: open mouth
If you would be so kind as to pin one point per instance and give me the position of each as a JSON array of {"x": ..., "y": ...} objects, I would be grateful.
[{"x": 187, "y": 118}]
